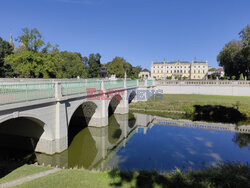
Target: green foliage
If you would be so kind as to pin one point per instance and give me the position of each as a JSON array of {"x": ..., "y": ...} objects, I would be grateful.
[
  {"x": 135, "y": 72},
  {"x": 31, "y": 65},
  {"x": 94, "y": 65},
  {"x": 119, "y": 66},
  {"x": 31, "y": 39},
  {"x": 235, "y": 56},
  {"x": 34, "y": 59},
  {"x": 5, "y": 50},
  {"x": 233, "y": 77},
  {"x": 72, "y": 65},
  {"x": 241, "y": 77}
]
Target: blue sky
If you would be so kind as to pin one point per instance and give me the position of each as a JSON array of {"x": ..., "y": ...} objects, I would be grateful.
[{"x": 141, "y": 31}]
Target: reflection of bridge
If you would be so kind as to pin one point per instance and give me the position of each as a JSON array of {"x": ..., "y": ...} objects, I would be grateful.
[
  {"x": 101, "y": 142},
  {"x": 53, "y": 105},
  {"x": 155, "y": 120}
]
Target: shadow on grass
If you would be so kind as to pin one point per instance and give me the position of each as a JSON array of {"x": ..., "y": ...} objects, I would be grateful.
[
  {"x": 223, "y": 175},
  {"x": 217, "y": 113}
]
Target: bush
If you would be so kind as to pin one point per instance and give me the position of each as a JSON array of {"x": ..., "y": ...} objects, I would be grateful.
[{"x": 233, "y": 77}]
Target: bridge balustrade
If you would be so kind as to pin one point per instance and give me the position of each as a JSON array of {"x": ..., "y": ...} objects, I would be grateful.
[
  {"x": 13, "y": 92},
  {"x": 79, "y": 87},
  {"x": 131, "y": 83},
  {"x": 21, "y": 92},
  {"x": 113, "y": 84}
]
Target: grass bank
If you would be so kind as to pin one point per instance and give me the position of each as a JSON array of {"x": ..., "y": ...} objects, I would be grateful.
[
  {"x": 23, "y": 171},
  {"x": 226, "y": 175},
  {"x": 228, "y": 109}
]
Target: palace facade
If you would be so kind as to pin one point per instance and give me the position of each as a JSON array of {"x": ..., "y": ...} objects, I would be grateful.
[{"x": 190, "y": 70}]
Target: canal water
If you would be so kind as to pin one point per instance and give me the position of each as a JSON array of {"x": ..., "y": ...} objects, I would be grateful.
[
  {"x": 141, "y": 142},
  {"x": 137, "y": 142}
]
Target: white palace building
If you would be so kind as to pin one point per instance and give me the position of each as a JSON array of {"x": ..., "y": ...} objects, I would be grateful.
[{"x": 195, "y": 70}]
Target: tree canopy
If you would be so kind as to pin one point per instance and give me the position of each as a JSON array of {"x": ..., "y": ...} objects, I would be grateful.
[
  {"x": 119, "y": 66},
  {"x": 34, "y": 58},
  {"x": 5, "y": 50},
  {"x": 235, "y": 56},
  {"x": 94, "y": 65}
]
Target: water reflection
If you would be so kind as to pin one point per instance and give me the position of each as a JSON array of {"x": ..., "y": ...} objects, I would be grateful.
[
  {"x": 139, "y": 141},
  {"x": 91, "y": 146}
]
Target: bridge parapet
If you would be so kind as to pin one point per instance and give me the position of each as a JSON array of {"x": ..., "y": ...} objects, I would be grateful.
[{"x": 15, "y": 92}]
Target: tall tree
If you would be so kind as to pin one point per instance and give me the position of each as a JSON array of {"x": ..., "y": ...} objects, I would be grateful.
[
  {"x": 5, "y": 50},
  {"x": 32, "y": 65},
  {"x": 94, "y": 65},
  {"x": 119, "y": 66},
  {"x": 31, "y": 39},
  {"x": 73, "y": 65},
  {"x": 235, "y": 56}
]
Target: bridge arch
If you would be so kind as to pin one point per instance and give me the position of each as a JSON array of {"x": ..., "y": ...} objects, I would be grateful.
[
  {"x": 114, "y": 103},
  {"x": 132, "y": 95},
  {"x": 80, "y": 118},
  {"x": 19, "y": 140}
]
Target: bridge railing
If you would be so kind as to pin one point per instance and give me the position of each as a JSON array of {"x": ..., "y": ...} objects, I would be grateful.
[
  {"x": 131, "y": 83},
  {"x": 202, "y": 82},
  {"x": 21, "y": 92},
  {"x": 78, "y": 87},
  {"x": 113, "y": 84},
  {"x": 149, "y": 82}
]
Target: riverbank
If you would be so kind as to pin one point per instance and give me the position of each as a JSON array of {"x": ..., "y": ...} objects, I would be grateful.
[
  {"x": 226, "y": 109},
  {"x": 227, "y": 175}
]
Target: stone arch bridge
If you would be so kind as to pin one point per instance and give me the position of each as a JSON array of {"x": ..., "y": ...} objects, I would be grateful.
[{"x": 43, "y": 111}]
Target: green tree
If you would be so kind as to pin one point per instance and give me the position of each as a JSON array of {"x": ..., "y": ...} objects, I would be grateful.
[
  {"x": 135, "y": 71},
  {"x": 31, "y": 65},
  {"x": 119, "y": 66},
  {"x": 94, "y": 65},
  {"x": 72, "y": 65},
  {"x": 230, "y": 58},
  {"x": 31, "y": 39},
  {"x": 235, "y": 56},
  {"x": 5, "y": 50}
]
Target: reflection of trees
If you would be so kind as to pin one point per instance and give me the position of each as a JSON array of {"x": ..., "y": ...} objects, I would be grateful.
[
  {"x": 242, "y": 140},
  {"x": 114, "y": 131},
  {"x": 82, "y": 150},
  {"x": 217, "y": 113}
]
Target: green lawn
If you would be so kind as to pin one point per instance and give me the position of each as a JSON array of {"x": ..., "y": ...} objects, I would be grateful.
[
  {"x": 227, "y": 175},
  {"x": 186, "y": 103},
  {"x": 227, "y": 109},
  {"x": 23, "y": 171}
]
